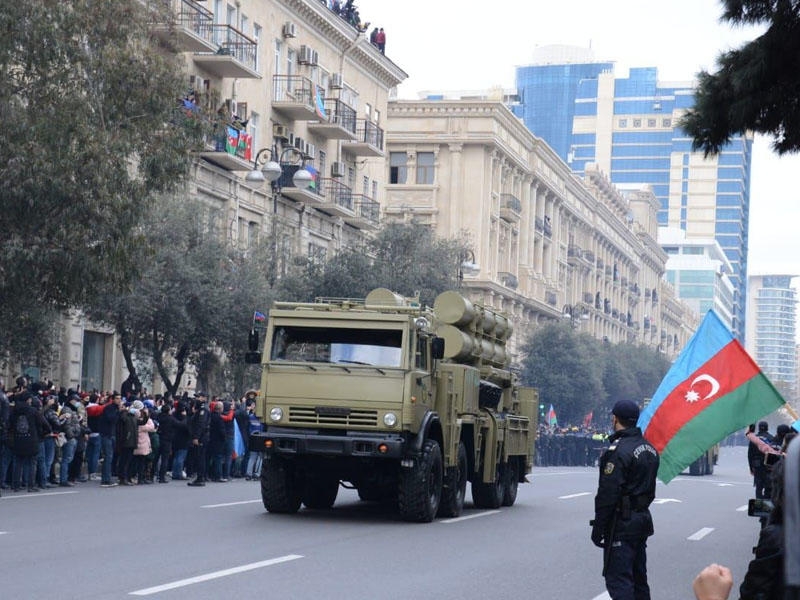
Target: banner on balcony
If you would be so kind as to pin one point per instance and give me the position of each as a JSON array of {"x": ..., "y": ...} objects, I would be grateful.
[{"x": 320, "y": 105}]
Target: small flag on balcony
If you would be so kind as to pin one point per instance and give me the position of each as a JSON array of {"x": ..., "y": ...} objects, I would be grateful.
[
  {"x": 320, "y": 105},
  {"x": 245, "y": 146},
  {"x": 314, "y": 177},
  {"x": 259, "y": 316},
  {"x": 231, "y": 140}
]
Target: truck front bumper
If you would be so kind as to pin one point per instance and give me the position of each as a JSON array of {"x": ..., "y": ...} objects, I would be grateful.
[{"x": 290, "y": 441}]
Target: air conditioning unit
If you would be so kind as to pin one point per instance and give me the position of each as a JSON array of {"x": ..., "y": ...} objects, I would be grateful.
[
  {"x": 337, "y": 169},
  {"x": 289, "y": 30},
  {"x": 336, "y": 81},
  {"x": 299, "y": 144},
  {"x": 311, "y": 151},
  {"x": 280, "y": 131},
  {"x": 306, "y": 55}
]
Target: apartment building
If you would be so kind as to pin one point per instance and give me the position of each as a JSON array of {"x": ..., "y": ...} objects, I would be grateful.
[
  {"x": 547, "y": 244},
  {"x": 288, "y": 82}
]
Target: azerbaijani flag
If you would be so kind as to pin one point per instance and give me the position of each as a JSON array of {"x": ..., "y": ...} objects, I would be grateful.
[
  {"x": 713, "y": 389},
  {"x": 259, "y": 316},
  {"x": 552, "y": 420}
]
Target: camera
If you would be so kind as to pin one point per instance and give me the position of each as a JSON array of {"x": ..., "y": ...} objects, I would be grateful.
[{"x": 759, "y": 507}]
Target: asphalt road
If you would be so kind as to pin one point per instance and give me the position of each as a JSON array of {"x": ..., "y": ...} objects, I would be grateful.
[{"x": 173, "y": 541}]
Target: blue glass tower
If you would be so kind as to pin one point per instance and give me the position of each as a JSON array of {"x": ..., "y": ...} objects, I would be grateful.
[{"x": 628, "y": 128}]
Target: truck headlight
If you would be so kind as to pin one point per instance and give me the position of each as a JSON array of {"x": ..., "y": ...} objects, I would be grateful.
[
  {"x": 275, "y": 413},
  {"x": 390, "y": 419}
]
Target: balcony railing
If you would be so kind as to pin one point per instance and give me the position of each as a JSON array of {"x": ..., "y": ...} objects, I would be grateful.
[
  {"x": 574, "y": 253},
  {"x": 368, "y": 141},
  {"x": 235, "y": 55},
  {"x": 337, "y": 121},
  {"x": 338, "y": 198},
  {"x": 510, "y": 208},
  {"x": 367, "y": 212},
  {"x": 548, "y": 229},
  {"x": 185, "y": 23},
  {"x": 296, "y": 97},
  {"x": 588, "y": 255}
]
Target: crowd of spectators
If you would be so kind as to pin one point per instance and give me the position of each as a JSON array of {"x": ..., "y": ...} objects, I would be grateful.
[
  {"x": 348, "y": 11},
  {"x": 61, "y": 437}
]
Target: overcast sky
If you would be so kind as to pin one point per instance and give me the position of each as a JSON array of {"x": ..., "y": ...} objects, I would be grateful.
[{"x": 449, "y": 45}]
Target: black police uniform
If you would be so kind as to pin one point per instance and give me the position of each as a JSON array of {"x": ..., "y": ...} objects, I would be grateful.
[
  {"x": 622, "y": 519},
  {"x": 199, "y": 428}
]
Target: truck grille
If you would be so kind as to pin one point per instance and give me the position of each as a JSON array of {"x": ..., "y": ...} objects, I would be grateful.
[{"x": 344, "y": 417}]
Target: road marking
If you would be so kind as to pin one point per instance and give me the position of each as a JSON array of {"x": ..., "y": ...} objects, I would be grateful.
[
  {"x": 725, "y": 484},
  {"x": 603, "y": 596},
  {"x": 665, "y": 500},
  {"x": 229, "y": 504},
  {"x": 575, "y": 495},
  {"x": 214, "y": 575},
  {"x": 485, "y": 513},
  {"x": 34, "y": 495},
  {"x": 3, "y": 532},
  {"x": 699, "y": 535},
  {"x": 742, "y": 508}
]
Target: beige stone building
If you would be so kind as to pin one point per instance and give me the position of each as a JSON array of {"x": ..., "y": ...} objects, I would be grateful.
[
  {"x": 547, "y": 245},
  {"x": 297, "y": 81}
]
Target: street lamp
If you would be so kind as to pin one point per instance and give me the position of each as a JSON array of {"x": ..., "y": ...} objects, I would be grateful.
[
  {"x": 271, "y": 170},
  {"x": 467, "y": 265},
  {"x": 575, "y": 314}
]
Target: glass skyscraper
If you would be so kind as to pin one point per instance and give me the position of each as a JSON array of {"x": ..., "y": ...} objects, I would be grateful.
[{"x": 628, "y": 128}]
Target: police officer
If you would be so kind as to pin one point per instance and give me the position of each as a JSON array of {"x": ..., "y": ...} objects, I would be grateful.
[
  {"x": 199, "y": 430},
  {"x": 622, "y": 521}
]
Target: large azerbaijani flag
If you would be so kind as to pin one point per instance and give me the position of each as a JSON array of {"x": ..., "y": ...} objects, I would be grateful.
[{"x": 713, "y": 389}]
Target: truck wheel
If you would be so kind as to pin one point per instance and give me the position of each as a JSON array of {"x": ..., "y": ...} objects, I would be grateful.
[
  {"x": 489, "y": 495},
  {"x": 279, "y": 491},
  {"x": 320, "y": 493},
  {"x": 420, "y": 487},
  {"x": 510, "y": 482},
  {"x": 695, "y": 468},
  {"x": 454, "y": 486},
  {"x": 368, "y": 493}
]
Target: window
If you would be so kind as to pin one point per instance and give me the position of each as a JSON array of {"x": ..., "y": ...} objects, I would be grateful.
[
  {"x": 290, "y": 56},
  {"x": 368, "y": 111},
  {"x": 376, "y": 116},
  {"x": 351, "y": 177},
  {"x": 257, "y": 37},
  {"x": 253, "y": 128},
  {"x": 278, "y": 51},
  {"x": 397, "y": 167},
  {"x": 374, "y": 190},
  {"x": 365, "y": 188},
  {"x": 316, "y": 253},
  {"x": 322, "y": 159},
  {"x": 253, "y": 230},
  {"x": 425, "y": 168}
]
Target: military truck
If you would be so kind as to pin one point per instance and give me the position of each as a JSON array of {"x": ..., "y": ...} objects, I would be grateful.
[
  {"x": 404, "y": 403},
  {"x": 704, "y": 465}
]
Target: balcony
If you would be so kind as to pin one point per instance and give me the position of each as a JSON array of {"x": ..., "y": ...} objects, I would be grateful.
[
  {"x": 235, "y": 55},
  {"x": 551, "y": 298},
  {"x": 588, "y": 256},
  {"x": 309, "y": 195},
  {"x": 367, "y": 213},
  {"x": 337, "y": 198},
  {"x": 574, "y": 254},
  {"x": 185, "y": 25},
  {"x": 339, "y": 122},
  {"x": 538, "y": 224},
  {"x": 231, "y": 150},
  {"x": 508, "y": 279},
  {"x": 548, "y": 229},
  {"x": 368, "y": 140},
  {"x": 510, "y": 208},
  {"x": 295, "y": 97},
  {"x": 588, "y": 298}
]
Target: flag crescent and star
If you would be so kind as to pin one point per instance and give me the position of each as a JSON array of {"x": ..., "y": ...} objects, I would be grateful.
[{"x": 712, "y": 389}]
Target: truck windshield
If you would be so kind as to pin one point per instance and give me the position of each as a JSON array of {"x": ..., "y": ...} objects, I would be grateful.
[{"x": 375, "y": 347}]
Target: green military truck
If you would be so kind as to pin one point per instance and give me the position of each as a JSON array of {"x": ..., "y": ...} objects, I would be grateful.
[
  {"x": 704, "y": 465},
  {"x": 402, "y": 402}
]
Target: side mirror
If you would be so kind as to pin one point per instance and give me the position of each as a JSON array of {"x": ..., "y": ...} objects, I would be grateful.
[{"x": 437, "y": 348}]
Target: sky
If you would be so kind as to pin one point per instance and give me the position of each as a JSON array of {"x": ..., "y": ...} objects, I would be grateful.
[{"x": 449, "y": 45}]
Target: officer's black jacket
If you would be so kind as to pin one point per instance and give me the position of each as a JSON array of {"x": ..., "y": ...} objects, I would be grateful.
[
  {"x": 627, "y": 478},
  {"x": 199, "y": 424}
]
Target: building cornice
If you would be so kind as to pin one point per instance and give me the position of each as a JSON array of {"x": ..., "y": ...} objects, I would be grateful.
[{"x": 345, "y": 37}]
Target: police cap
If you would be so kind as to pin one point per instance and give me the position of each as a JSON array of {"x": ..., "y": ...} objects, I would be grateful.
[{"x": 626, "y": 409}]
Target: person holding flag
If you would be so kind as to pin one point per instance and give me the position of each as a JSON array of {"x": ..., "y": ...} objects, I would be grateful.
[{"x": 622, "y": 521}]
